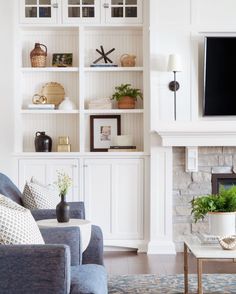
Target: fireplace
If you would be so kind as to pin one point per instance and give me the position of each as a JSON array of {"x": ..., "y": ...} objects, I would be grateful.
[{"x": 225, "y": 180}]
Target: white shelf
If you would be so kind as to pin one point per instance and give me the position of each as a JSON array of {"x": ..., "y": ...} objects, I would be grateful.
[
  {"x": 114, "y": 69},
  {"x": 49, "y": 69},
  {"x": 48, "y": 111},
  {"x": 111, "y": 111}
]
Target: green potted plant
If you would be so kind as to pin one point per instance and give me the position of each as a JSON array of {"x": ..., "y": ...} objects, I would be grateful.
[
  {"x": 220, "y": 208},
  {"x": 126, "y": 96}
]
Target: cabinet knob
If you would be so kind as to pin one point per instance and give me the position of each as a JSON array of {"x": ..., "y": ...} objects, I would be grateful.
[
  {"x": 55, "y": 5},
  {"x": 106, "y": 5},
  {"x": 85, "y": 165}
]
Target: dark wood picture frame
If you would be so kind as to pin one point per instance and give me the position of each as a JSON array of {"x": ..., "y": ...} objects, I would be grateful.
[
  {"x": 93, "y": 118},
  {"x": 221, "y": 179}
]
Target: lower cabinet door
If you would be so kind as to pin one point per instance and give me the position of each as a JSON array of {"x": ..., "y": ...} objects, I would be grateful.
[
  {"x": 114, "y": 196},
  {"x": 45, "y": 171}
]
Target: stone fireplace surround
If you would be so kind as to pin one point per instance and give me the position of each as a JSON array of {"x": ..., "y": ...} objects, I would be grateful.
[{"x": 172, "y": 188}]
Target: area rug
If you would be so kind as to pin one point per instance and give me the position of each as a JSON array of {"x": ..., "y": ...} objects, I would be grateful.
[{"x": 174, "y": 284}]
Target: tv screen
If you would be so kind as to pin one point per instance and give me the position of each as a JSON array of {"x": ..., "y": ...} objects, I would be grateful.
[{"x": 220, "y": 76}]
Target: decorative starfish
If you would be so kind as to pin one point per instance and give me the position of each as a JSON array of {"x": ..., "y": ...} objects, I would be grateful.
[{"x": 104, "y": 55}]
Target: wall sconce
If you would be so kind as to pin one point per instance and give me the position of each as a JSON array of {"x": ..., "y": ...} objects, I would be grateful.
[{"x": 174, "y": 65}]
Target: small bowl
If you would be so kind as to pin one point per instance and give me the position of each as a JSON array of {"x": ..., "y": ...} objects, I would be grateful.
[{"x": 228, "y": 242}]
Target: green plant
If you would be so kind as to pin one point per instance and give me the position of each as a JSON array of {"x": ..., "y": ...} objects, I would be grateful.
[
  {"x": 64, "y": 182},
  {"x": 224, "y": 201},
  {"x": 126, "y": 90}
]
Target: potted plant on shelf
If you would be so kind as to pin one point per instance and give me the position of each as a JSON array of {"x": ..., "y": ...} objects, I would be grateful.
[
  {"x": 220, "y": 208},
  {"x": 126, "y": 96}
]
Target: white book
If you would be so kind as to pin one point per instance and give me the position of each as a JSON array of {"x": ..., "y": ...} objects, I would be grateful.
[
  {"x": 207, "y": 239},
  {"x": 41, "y": 106}
]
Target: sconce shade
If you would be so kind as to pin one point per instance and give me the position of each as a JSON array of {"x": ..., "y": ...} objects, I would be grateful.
[{"x": 174, "y": 63}]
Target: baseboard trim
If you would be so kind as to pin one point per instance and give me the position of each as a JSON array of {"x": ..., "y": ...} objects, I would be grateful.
[{"x": 161, "y": 247}]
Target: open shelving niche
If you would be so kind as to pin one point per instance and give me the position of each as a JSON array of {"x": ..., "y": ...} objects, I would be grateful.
[{"x": 81, "y": 83}]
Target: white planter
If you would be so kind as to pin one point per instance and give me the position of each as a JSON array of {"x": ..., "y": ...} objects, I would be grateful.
[{"x": 222, "y": 223}]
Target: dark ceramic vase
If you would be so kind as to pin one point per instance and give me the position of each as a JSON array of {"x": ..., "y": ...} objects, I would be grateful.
[
  {"x": 42, "y": 142},
  {"x": 63, "y": 211}
]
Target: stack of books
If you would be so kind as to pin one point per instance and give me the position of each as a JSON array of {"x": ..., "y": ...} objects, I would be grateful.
[
  {"x": 41, "y": 106},
  {"x": 207, "y": 239},
  {"x": 100, "y": 104},
  {"x": 122, "y": 149}
]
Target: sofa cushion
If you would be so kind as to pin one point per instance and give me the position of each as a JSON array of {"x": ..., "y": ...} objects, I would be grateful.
[
  {"x": 38, "y": 196},
  {"x": 8, "y": 189},
  {"x": 17, "y": 225},
  {"x": 88, "y": 279}
]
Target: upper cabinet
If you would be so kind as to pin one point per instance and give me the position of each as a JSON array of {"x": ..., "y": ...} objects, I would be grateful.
[
  {"x": 80, "y": 11},
  {"x": 39, "y": 11}
]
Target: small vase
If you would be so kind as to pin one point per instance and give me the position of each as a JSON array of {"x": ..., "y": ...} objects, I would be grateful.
[{"x": 63, "y": 211}]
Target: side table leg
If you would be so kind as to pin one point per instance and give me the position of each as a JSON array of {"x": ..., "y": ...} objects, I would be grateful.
[
  {"x": 199, "y": 276},
  {"x": 185, "y": 269}
]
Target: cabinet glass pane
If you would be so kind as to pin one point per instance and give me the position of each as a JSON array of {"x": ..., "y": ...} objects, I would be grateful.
[
  {"x": 131, "y": 12},
  {"x": 131, "y": 2},
  {"x": 30, "y": 2},
  {"x": 117, "y": 12},
  {"x": 44, "y": 2},
  {"x": 74, "y": 2},
  {"x": 31, "y": 12},
  {"x": 88, "y": 12},
  {"x": 88, "y": 2},
  {"x": 73, "y": 12},
  {"x": 44, "y": 11},
  {"x": 117, "y": 2}
]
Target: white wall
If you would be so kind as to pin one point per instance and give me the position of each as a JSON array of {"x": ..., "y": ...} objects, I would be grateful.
[{"x": 7, "y": 87}]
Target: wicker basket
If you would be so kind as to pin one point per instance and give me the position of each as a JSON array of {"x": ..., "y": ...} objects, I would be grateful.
[{"x": 38, "y": 56}]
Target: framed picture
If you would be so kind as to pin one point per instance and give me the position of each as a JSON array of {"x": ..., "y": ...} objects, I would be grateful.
[
  {"x": 103, "y": 128},
  {"x": 62, "y": 59}
]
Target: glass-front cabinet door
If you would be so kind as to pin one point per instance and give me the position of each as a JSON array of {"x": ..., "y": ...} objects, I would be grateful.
[
  {"x": 39, "y": 11},
  {"x": 81, "y": 11},
  {"x": 123, "y": 11}
]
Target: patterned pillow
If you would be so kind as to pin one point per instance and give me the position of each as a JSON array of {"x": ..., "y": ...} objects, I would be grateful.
[
  {"x": 17, "y": 225},
  {"x": 38, "y": 196}
]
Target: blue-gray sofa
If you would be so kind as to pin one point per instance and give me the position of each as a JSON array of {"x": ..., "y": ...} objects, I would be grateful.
[{"x": 58, "y": 267}]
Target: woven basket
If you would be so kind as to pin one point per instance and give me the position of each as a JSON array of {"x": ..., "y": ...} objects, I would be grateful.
[{"x": 38, "y": 61}]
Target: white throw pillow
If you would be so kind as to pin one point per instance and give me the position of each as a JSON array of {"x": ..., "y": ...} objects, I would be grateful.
[
  {"x": 38, "y": 196},
  {"x": 17, "y": 225}
]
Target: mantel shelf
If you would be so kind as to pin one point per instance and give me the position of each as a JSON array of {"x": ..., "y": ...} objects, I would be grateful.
[{"x": 211, "y": 133}]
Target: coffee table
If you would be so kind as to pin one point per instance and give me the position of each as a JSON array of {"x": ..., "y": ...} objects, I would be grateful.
[
  {"x": 84, "y": 225},
  {"x": 203, "y": 253}
]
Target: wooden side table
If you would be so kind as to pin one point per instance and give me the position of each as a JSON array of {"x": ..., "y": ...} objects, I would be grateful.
[
  {"x": 203, "y": 253},
  {"x": 84, "y": 225}
]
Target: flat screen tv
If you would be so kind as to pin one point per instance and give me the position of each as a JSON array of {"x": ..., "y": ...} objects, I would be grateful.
[{"x": 220, "y": 76}]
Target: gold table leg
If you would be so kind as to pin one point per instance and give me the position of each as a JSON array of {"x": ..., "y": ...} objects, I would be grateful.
[
  {"x": 185, "y": 269},
  {"x": 199, "y": 276}
]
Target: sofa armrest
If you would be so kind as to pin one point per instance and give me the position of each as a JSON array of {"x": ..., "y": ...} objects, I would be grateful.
[
  {"x": 76, "y": 211},
  {"x": 27, "y": 269},
  {"x": 94, "y": 251},
  {"x": 69, "y": 236}
]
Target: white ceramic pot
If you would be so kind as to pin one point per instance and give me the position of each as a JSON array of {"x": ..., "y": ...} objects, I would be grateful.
[
  {"x": 222, "y": 223},
  {"x": 66, "y": 104}
]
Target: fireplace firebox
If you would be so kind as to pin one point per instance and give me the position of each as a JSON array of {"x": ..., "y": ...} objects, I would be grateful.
[{"x": 225, "y": 180}]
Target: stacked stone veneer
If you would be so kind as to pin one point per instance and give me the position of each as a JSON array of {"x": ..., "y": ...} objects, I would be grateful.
[{"x": 186, "y": 185}]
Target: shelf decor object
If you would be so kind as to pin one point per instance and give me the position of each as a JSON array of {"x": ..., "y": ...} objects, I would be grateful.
[
  {"x": 63, "y": 144},
  {"x": 42, "y": 142},
  {"x": 104, "y": 103},
  {"x": 54, "y": 92},
  {"x": 66, "y": 104},
  {"x": 38, "y": 55},
  {"x": 104, "y": 55},
  {"x": 175, "y": 66},
  {"x": 62, "y": 59},
  {"x": 126, "y": 96},
  {"x": 103, "y": 128},
  {"x": 127, "y": 60}
]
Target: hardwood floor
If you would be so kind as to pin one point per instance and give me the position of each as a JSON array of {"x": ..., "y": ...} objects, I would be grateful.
[{"x": 127, "y": 263}]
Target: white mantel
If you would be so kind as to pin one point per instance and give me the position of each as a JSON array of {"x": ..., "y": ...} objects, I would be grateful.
[{"x": 201, "y": 133}]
